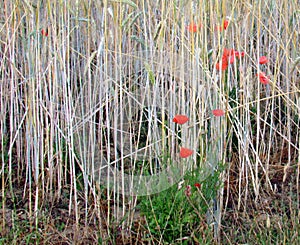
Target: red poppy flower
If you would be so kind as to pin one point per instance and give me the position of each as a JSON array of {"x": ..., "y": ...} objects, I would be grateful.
[
  {"x": 225, "y": 24},
  {"x": 239, "y": 54},
  {"x": 263, "y": 60},
  {"x": 192, "y": 27},
  {"x": 228, "y": 52},
  {"x": 223, "y": 65},
  {"x": 180, "y": 119},
  {"x": 185, "y": 152},
  {"x": 228, "y": 56},
  {"x": 219, "y": 28},
  {"x": 44, "y": 32},
  {"x": 223, "y": 27},
  {"x": 197, "y": 185},
  {"x": 263, "y": 78},
  {"x": 218, "y": 112}
]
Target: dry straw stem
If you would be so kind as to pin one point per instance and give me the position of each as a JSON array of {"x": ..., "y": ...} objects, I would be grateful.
[{"x": 103, "y": 86}]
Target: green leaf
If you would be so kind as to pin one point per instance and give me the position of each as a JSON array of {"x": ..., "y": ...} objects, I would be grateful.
[
  {"x": 132, "y": 4},
  {"x": 124, "y": 22},
  {"x": 141, "y": 41},
  {"x": 150, "y": 73}
]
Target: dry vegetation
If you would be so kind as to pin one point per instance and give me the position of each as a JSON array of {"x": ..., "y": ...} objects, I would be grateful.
[{"x": 89, "y": 83}]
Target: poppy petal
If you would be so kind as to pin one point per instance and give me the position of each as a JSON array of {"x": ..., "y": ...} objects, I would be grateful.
[
  {"x": 226, "y": 52},
  {"x": 218, "y": 112},
  {"x": 263, "y": 78},
  {"x": 231, "y": 60},
  {"x": 185, "y": 152},
  {"x": 219, "y": 28},
  {"x": 197, "y": 185},
  {"x": 44, "y": 32},
  {"x": 180, "y": 119},
  {"x": 192, "y": 27},
  {"x": 223, "y": 65},
  {"x": 263, "y": 60},
  {"x": 225, "y": 24},
  {"x": 239, "y": 54}
]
